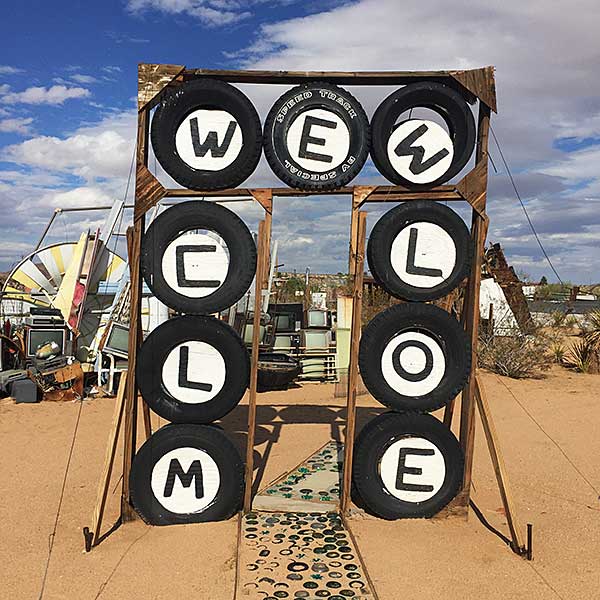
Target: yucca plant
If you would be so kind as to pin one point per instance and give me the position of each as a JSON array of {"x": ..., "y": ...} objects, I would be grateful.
[
  {"x": 558, "y": 352},
  {"x": 580, "y": 356},
  {"x": 592, "y": 334}
]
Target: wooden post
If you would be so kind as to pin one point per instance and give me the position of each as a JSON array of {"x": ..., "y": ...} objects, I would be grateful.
[
  {"x": 135, "y": 323},
  {"x": 353, "y": 235},
  {"x": 260, "y": 265},
  {"x": 498, "y": 462},
  {"x": 471, "y": 308},
  {"x": 109, "y": 460},
  {"x": 359, "y": 244}
]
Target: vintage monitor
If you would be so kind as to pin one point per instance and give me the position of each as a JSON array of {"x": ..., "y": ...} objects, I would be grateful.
[
  {"x": 36, "y": 336},
  {"x": 316, "y": 342},
  {"x": 117, "y": 340},
  {"x": 284, "y": 322},
  {"x": 317, "y": 319}
]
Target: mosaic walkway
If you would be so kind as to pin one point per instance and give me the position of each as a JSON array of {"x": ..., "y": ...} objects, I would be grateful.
[
  {"x": 299, "y": 555},
  {"x": 313, "y": 486}
]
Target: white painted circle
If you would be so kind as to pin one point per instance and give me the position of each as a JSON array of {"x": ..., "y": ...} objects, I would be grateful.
[
  {"x": 336, "y": 141},
  {"x": 434, "y": 251},
  {"x": 434, "y": 139},
  {"x": 207, "y": 123},
  {"x": 412, "y": 359},
  {"x": 183, "y": 499},
  {"x": 206, "y": 365},
  {"x": 203, "y": 266},
  {"x": 433, "y": 469}
]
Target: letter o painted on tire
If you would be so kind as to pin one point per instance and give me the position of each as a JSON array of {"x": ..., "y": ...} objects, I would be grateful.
[
  {"x": 186, "y": 474},
  {"x": 419, "y": 251},
  {"x": 316, "y": 137},
  {"x": 419, "y": 153},
  {"x": 206, "y": 135},
  {"x": 414, "y": 357},
  {"x": 198, "y": 257},
  {"x": 406, "y": 465},
  {"x": 192, "y": 369}
]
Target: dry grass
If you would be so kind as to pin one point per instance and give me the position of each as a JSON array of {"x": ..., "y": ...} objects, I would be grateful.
[{"x": 518, "y": 356}]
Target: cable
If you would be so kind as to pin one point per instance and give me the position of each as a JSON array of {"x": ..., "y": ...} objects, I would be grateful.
[
  {"x": 550, "y": 438},
  {"x": 52, "y": 536},
  {"x": 523, "y": 206}
]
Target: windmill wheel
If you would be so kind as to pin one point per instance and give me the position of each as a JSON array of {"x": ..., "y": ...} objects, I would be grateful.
[{"x": 36, "y": 281}]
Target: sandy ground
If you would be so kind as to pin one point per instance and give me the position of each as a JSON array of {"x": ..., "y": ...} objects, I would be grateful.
[{"x": 553, "y": 466}]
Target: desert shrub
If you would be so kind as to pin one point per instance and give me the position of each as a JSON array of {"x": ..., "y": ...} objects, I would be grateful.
[
  {"x": 557, "y": 350},
  {"x": 570, "y": 322},
  {"x": 517, "y": 355},
  {"x": 557, "y": 318},
  {"x": 580, "y": 356},
  {"x": 592, "y": 329}
]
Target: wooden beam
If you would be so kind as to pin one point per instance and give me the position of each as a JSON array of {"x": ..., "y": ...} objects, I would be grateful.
[
  {"x": 152, "y": 80},
  {"x": 109, "y": 460},
  {"x": 258, "y": 286},
  {"x": 380, "y": 193},
  {"x": 491, "y": 437},
  {"x": 470, "y": 315},
  {"x": 361, "y": 234},
  {"x": 337, "y": 77},
  {"x": 134, "y": 243},
  {"x": 265, "y": 198}
]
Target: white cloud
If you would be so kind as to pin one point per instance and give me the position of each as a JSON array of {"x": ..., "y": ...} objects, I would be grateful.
[
  {"x": 56, "y": 94},
  {"x": 112, "y": 69},
  {"x": 97, "y": 151},
  {"x": 8, "y": 70},
  {"x": 209, "y": 12},
  {"x": 16, "y": 125},
  {"x": 85, "y": 79}
]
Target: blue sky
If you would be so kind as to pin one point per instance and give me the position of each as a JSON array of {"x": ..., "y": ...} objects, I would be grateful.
[{"x": 67, "y": 116}]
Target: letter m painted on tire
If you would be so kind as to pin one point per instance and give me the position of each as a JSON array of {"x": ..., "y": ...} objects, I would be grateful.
[{"x": 194, "y": 473}]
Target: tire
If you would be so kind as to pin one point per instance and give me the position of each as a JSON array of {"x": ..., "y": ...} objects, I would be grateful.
[
  {"x": 192, "y": 369},
  {"x": 446, "y": 154},
  {"x": 424, "y": 265},
  {"x": 166, "y": 491},
  {"x": 376, "y": 472},
  {"x": 228, "y": 269},
  {"x": 440, "y": 349},
  {"x": 206, "y": 150},
  {"x": 317, "y": 169}
]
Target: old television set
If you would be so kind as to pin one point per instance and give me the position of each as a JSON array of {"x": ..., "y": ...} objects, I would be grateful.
[
  {"x": 117, "y": 340},
  {"x": 317, "y": 318},
  {"x": 286, "y": 343},
  {"x": 316, "y": 342},
  {"x": 248, "y": 332},
  {"x": 36, "y": 336},
  {"x": 284, "y": 322}
]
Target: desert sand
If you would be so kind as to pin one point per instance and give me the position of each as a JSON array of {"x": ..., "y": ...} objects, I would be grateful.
[{"x": 549, "y": 433}]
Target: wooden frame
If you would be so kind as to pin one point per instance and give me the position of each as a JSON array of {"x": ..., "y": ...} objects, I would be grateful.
[{"x": 476, "y": 85}]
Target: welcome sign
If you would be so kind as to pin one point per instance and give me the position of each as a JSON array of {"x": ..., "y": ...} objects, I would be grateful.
[{"x": 199, "y": 259}]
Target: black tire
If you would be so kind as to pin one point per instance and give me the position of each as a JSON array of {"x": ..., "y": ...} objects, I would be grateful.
[
  {"x": 419, "y": 270},
  {"x": 173, "y": 288},
  {"x": 376, "y": 472},
  {"x": 445, "y": 101},
  {"x": 209, "y": 162},
  {"x": 343, "y": 108},
  {"x": 186, "y": 496},
  {"x": 441, "y": 343},
  {"x": 192, "y": 383}
]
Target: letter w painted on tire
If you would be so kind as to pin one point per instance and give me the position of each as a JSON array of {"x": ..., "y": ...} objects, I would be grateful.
[
  {"x": 194, "y": 473},
  {"x": 417, "y": 164},
  {"x": 211, "y": 142}
]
